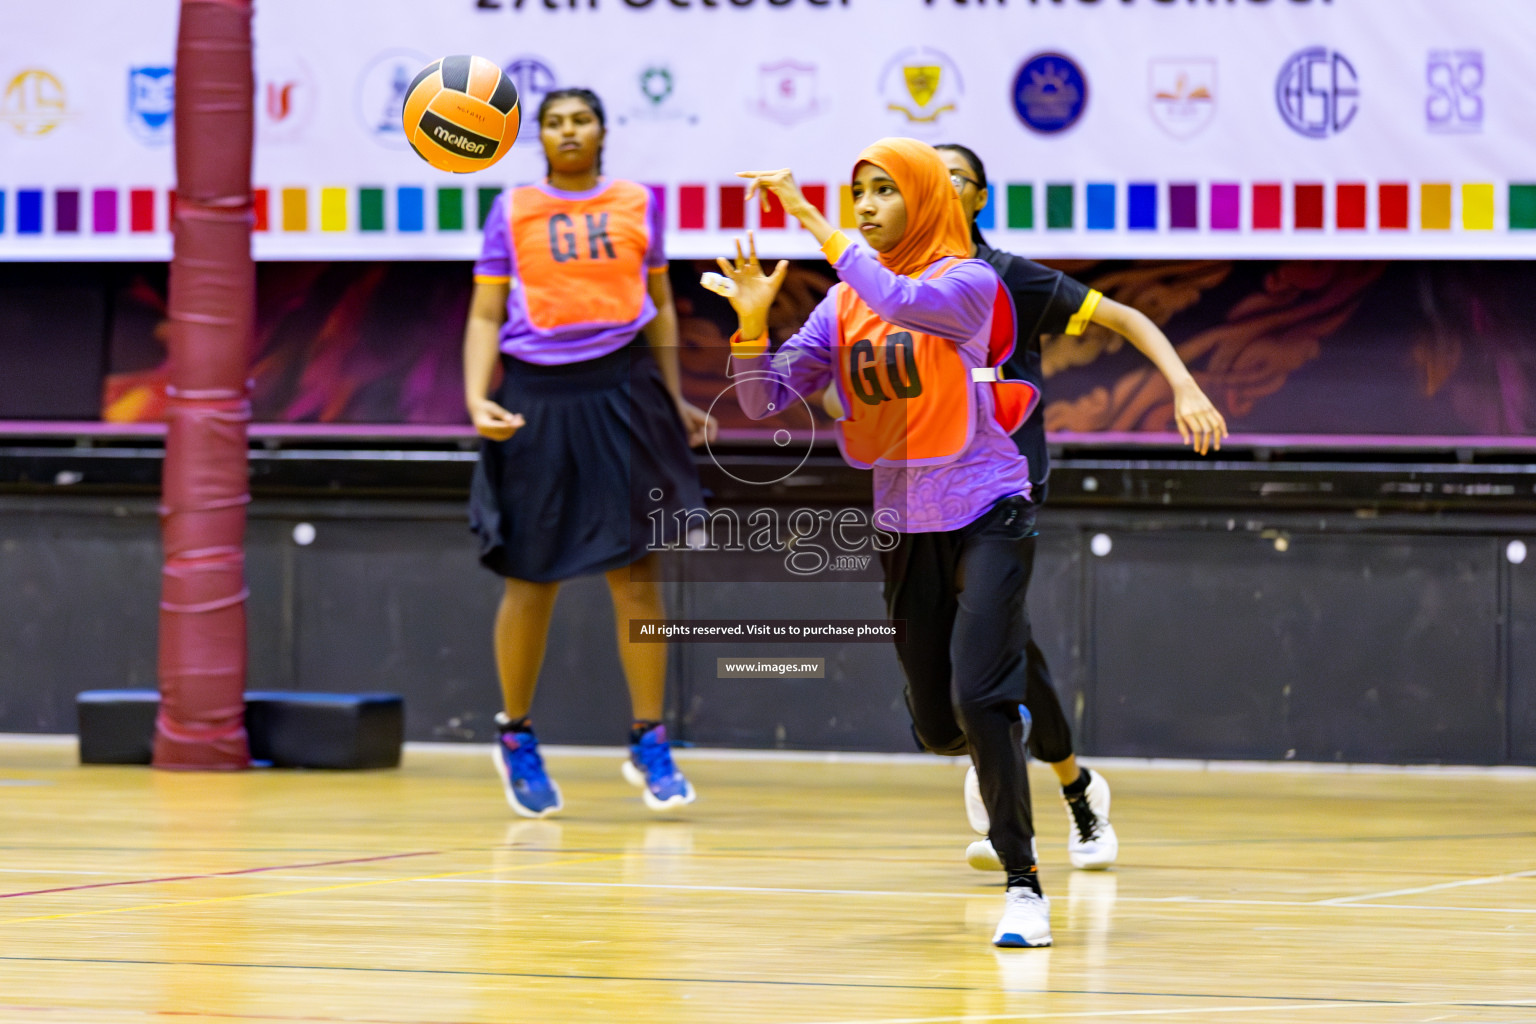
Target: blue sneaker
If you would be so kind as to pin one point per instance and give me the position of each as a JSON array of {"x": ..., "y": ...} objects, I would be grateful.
[
  {"x": 530, "y": 790},
  {"x": 650, "y": 767}
]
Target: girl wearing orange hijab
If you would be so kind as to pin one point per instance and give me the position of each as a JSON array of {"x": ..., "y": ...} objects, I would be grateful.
[{"x": 911, "y": 342}]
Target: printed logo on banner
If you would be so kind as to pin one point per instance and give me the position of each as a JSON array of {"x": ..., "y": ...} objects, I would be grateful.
[
  {"x": 34, "y": 103},
  {"x": 1050, "y": 93},
  {"x": 285, "y": 100},
  {"x": 1455, "y": 103},
  {"x": 1318, "y": 92},
  {"x": 534, "y": 79},
  {"x": 658, "y": 98},
  {"x": 151, "y": 103},
  {"x": 786, "y": 92},
  {"x": 1183, "y": 95},
  {"x": 919, "y": 86},
  {"x": 381, "y": 95}
]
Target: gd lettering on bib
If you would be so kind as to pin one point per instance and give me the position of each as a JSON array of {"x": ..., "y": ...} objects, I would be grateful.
[{"x": 909, "y": 398}]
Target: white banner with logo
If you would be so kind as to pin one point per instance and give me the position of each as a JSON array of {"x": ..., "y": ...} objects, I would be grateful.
[{"x": 1147, "y": 128}]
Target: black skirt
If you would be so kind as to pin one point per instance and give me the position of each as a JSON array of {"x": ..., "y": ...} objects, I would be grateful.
[{"x": 576, "y": 490}]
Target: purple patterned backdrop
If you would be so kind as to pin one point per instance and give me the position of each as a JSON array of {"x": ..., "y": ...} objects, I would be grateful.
[{"x": 1282, "y": 347}]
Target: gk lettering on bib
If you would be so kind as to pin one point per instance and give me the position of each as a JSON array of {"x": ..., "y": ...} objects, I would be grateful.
[
  {"x": 909, "y": 398},
  {"x": 581, "y": 261}
]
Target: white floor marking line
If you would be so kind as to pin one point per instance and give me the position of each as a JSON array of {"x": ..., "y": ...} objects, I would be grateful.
[
  {"x": 1273, "y": 1006},
  {"x": 886, "y": 893},
  {"x": 1459, "y": 883}
]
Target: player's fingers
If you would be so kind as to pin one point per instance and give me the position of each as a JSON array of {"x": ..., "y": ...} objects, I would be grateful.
[
  {"x": 1218, "y": 430},
  {"x": 752, "y": 244},
  {"x": 725, "y": 265},
  {"x": 1183, "y": 429},
  {"x": 741, "y": 257},
  {"x": 779, "y": 271}
]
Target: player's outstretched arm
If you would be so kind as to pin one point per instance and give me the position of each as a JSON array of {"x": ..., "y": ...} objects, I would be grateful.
[
  {"x": 1198, "y": 420},
  {"x": 782, "y": 184}
]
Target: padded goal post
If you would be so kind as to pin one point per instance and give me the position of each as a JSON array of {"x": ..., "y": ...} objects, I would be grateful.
[{"x": 205, "y": 486}]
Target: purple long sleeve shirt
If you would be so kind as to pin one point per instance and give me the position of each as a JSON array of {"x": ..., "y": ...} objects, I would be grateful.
[{"x": 920, "y": 499}]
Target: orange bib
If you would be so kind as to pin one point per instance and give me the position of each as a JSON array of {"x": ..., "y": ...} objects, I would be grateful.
[
  {"x": 909, "y": 398},
  {"x": 581, "y": 261}
]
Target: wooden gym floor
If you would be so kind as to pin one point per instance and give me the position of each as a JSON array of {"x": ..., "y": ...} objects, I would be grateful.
[{"x": 793, "y": 891}]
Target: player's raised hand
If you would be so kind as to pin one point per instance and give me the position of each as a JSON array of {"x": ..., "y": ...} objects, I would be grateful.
[
  {"x": 750, "y": 291},
  {"x": 1199, "y": 422},
  {"x": 781, "y": 183}
]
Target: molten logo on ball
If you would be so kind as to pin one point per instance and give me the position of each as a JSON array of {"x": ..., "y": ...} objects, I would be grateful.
[{"x": 461, "y": 113}]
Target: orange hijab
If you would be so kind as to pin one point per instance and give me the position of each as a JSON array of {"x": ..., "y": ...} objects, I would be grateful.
[{"x": 936, "y": 225}]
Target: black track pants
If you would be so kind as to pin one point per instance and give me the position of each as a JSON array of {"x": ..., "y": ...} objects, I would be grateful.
[{"x": 961, "y": 594}]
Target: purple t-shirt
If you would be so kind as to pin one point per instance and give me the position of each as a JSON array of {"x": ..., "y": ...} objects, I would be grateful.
[
  {"x": 921, "y": 499},
  {"x": 617, "y": 222}
]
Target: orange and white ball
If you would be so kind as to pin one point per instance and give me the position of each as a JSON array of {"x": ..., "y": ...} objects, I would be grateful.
[{"x": 461, "y": 113}]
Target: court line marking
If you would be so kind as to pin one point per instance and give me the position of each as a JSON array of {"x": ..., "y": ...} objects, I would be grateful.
[
  {"x": 450, "y": 879},
  {"x": 288, "y": 892},
  {"x": 1485, "y": 880},
  {"x": 1273, "y": 1001},
  {"x": 217, "y": 874}
]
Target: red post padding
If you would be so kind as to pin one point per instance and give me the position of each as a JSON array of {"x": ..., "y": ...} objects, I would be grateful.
[{"x": 205, "y": 486}]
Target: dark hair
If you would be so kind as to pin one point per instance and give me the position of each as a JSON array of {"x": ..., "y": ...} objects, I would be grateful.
[
  {"x": 977, "y": 168},
  {"x": 593, "y": 103}
]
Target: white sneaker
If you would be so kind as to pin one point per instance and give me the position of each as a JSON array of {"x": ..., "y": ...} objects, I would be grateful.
[
  {"x": 1091, "y": 841},
  {"x": 1026, "y": 920},
  {"x": 982, "y": 856},
  {"x": 975, "y": 810}
]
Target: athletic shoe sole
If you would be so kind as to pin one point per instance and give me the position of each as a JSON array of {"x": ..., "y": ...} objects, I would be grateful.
[
  {"x": 1013, "y": 940},
  {"x": 506, "y": 787},
  {"x": 635, "y": 777}
]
